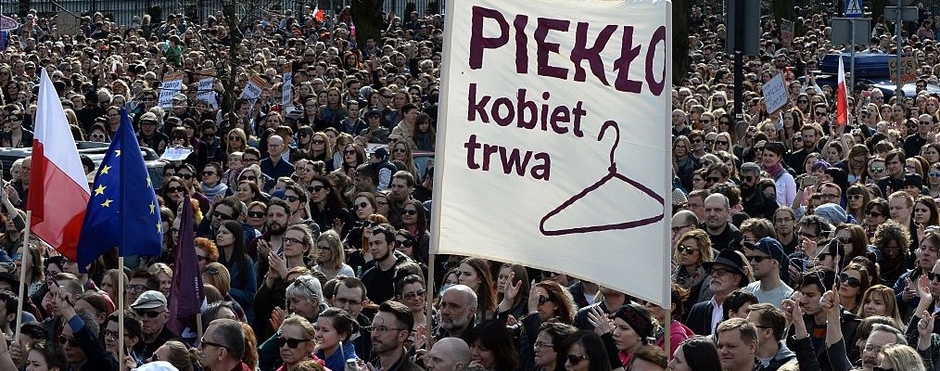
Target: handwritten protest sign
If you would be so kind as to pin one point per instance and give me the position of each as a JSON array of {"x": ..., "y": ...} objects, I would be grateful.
[
  {"x": 172, "y": 85},
  {"x": 775, "y": 93}
]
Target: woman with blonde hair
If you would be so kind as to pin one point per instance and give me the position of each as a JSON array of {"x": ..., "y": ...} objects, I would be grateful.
[
  {"x": 879, "y": 300},
  {"x": 296, "y": 341},
  {"x": 177, "y": 354},
  {"x": 692, "y": 250},
  {"x": 901, "y": 357},
  {"x": 330, "y": 256}
]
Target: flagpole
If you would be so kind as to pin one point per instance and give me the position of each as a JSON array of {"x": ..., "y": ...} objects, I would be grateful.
[
  {"x": 428, "y": 320},
  {"x": 120, "y": 295},
  {"x": 22, "y": 296}
]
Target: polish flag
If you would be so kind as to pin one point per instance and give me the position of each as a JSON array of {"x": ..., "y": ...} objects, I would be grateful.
[
  {"x": 58, "y": 192},
  {"x": 842, "y": 103},
  {"x": 318, "y": 14}
]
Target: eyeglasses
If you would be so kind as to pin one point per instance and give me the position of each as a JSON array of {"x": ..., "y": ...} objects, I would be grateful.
[
  {"x": 291, "y": 343},
  {"x": 757, "y": 258},
  {"x": 349, "y": 152},
  {"x": 544, "y": 299},
  {"x": 686, "y": 249},
  {"x": 409, "y": 212},
  {"x": 543, "y": 345},
  {"x": 185, "y": 176},
  {"x": 222, "y": 216},
  {"x": 361, "y": 205},
  {"x": 574, "y": 360},
  {"x": 150, "y": 314},
  {"x": 292, "y": 241},
  {"x": 849, "y": 280},
  {"x": 135, "y": 288},
  {"x": 256, "y": 214},
  {"x": 934, "y": 174},
  {"x": 807, "y": 235},
  {"x": 208, "y": 173},
  {"x": 876, "y": 169},
  {"x": 64, "y": 340},
  {"x": 697, "y": 140},
  {"x": 414, "y": 294},
  {"x": 108, "y": 334},
  {"x": 875, "y": 214},
  {"x": 203, "y": 343},
  {"x": 829, "y": 196}
]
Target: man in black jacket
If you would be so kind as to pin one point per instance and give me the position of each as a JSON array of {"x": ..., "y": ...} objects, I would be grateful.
[{"x": 757, "y": 204}]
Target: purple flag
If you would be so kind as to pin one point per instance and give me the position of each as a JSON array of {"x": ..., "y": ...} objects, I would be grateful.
[{"x": 186, "y": 294}]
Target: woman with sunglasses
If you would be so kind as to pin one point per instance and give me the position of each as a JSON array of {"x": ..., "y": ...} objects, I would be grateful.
[
  {"x": 98, "y": 134},
  {"x": 852, "y": 283},
  {"x": 585, "y": 351},
  {"x": 876, "y": 212},
  {"x": 412, "y": 291},
  {"x": 414, "y": 220},
  {"x": 321, "y": 150},
  {"x": 211, "y": 184},
  {"x": 693, "y": 249},
  {"x": 352, "y": 156},
  {"x": 857, "y": 196},
  {"x": 401, "y": 151},
  {"x": 327, "y": 206},
  {"x": 295, "y": 341}
]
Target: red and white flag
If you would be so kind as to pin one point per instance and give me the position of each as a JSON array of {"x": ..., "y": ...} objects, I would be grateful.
[
  {"x": 318, "y": 14},
  {"x": 58, "y": 192},
  {"x": 842, "y": 103}
]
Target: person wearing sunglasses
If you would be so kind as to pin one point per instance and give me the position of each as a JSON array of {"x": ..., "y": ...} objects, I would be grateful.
[
  {"x": 211, "y": 185},
  {"x": 223, "y": 345},
  {"x": 852, "y": 283},
  {"x": 78, "y": 338},
  {"x": 767, "y": 260},
  {"x": 296, "y": 341},
  {"x": 152, "y": 308},
  {"x": 727, "y": 273},
  {"x": 585, "y": 351}
]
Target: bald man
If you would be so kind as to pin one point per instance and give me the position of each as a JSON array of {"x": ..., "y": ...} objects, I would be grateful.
[
  {"x": 448, "y": 354},
  {"x": 275, "y": 166}
]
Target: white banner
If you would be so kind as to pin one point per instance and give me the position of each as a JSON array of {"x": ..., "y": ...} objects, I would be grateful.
[
  {"x": 556, "y": 150},
  {"x": 206, "y": 92},
  {"x": 172, "y": 85},
  {"x": 775, "y": 94}
]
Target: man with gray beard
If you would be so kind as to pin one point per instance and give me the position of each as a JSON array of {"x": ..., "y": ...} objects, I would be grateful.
[{"x": 458, "y": 312}]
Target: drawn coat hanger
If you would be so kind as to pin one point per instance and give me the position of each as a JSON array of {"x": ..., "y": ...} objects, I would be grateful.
[{"x": 612, "y": 174}]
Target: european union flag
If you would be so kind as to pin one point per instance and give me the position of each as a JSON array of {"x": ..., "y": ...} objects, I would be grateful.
[{"x": 123, "y": 209}]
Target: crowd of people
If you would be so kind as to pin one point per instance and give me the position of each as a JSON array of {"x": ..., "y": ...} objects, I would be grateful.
[{"x": 798, "y": 243}]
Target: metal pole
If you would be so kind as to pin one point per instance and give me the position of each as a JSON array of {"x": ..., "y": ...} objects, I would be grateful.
[
  {"x": 851, "y": 87},
  {"x": 897, "y": 35},
  {"x": 739, "y": 64}
]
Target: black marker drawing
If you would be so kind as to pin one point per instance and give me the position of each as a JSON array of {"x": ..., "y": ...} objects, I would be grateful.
[{"x": 613, "y": 173}]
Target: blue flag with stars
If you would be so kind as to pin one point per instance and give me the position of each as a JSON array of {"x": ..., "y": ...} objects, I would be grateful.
[{"x": 123, "y": 210}]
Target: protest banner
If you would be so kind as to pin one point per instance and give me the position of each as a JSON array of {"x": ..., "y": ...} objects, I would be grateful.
[
  {"x": 205, "y": 87},
  {"x": 908, "y": 69},
  {"x": 775, "y": 93},
  {"x": 172, "y": 85},
  {"x": 253, "y": 89},
  {"x": 786, "y": 32},
  {"x": 286, "y": 89},
  {"x": 555, "y": 152}
]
